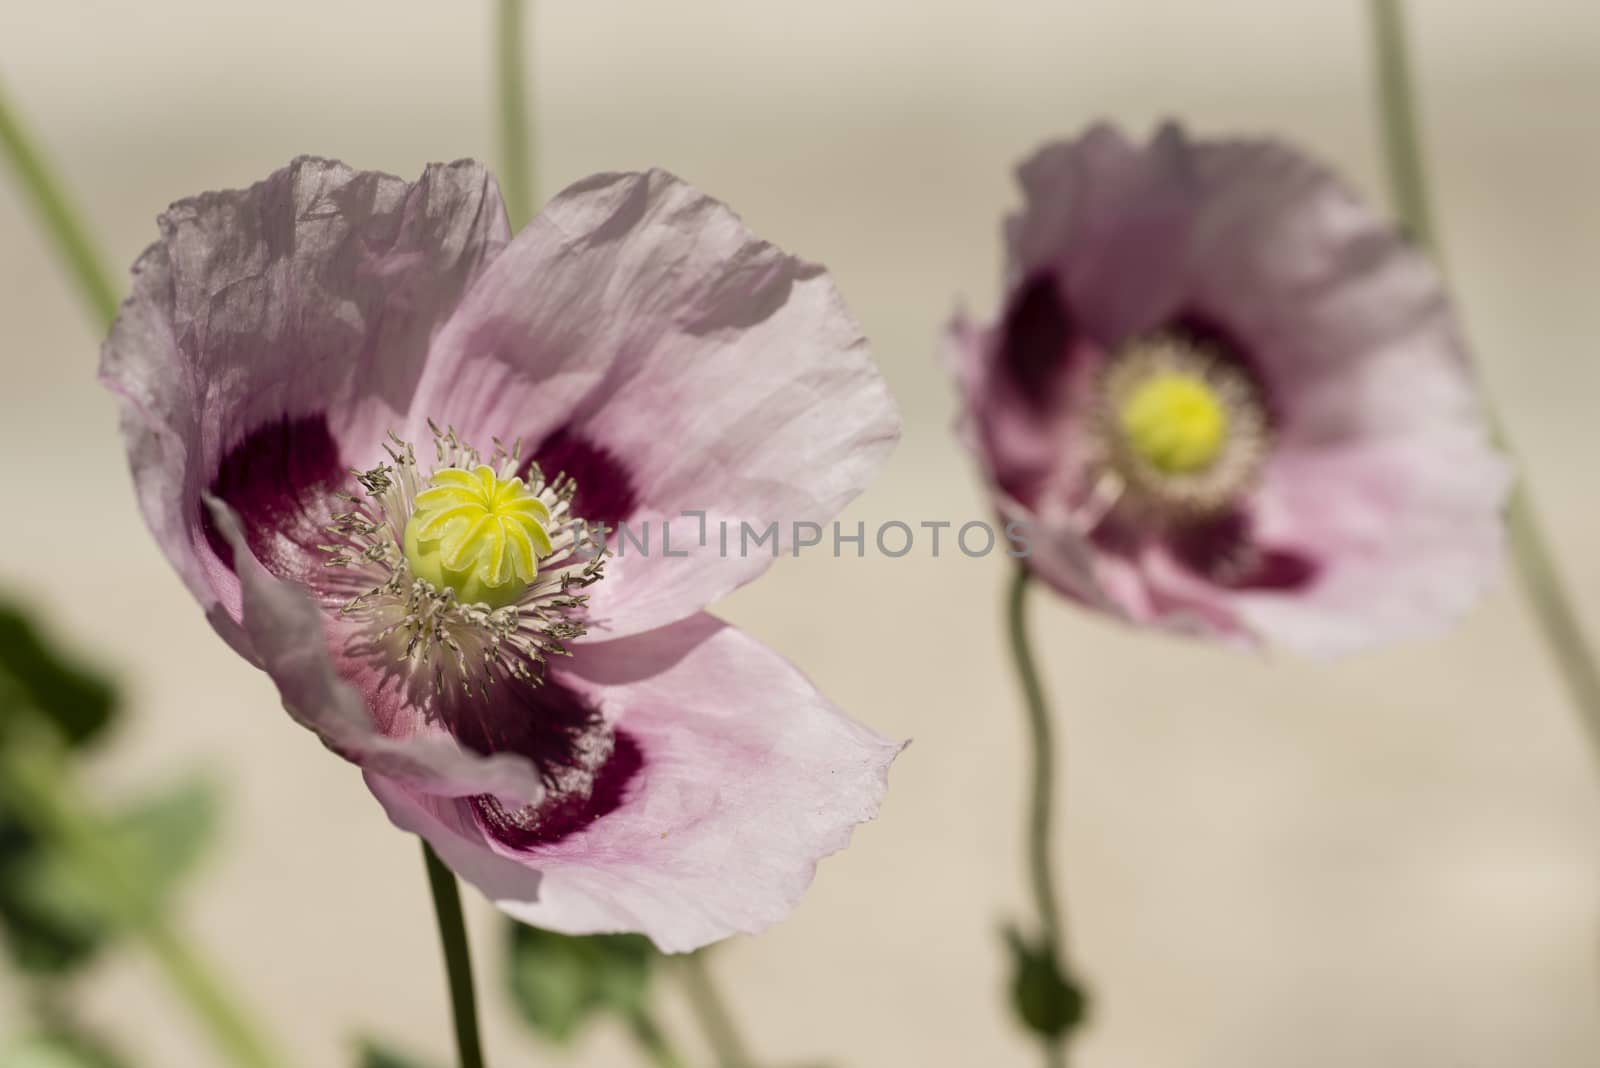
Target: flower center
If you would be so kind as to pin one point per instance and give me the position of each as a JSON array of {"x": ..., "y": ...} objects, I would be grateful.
[
  {"x": 467, "y": 575},
  {"x": 461, "y": 586},
  {"x": 1182, "y": 430},
  {"x": 478, "y": 534},
  {"x": 1175, "y": 422}
]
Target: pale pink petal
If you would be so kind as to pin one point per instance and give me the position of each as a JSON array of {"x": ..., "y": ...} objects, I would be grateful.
[
  {"x": 1349, "y": 322},
  {"x": 1108, "y": 219},
  {"x": 638, "y": 335},
  {"x": 283, "y": 632},
  {"x": 747, "y": 777},
  {"x": 1406, "y": 531},
  {"x": 308, "y": 302}
]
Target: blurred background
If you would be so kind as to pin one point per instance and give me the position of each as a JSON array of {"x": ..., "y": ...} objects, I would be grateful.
[{"x": 1388, "y": 860}]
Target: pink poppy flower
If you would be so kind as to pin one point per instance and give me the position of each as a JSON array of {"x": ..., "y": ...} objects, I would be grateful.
[
  {"x": 363, "y": 422},
  {"x": 1225, "y": 397}
]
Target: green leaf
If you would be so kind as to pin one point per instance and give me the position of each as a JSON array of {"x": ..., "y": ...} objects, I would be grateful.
[
  {"x": 53, "y": 918},
  {"x": 1045, "y": 999},
  {"x": 36, "y": 679},
  {"x": 376, "y": 1055},
  {"x": 45, "y": 934},
  {"x": 559, "y": 982},
  {"x": 163, "y": 836}
]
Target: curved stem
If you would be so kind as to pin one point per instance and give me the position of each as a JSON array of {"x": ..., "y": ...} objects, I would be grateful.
[
  {"x": 31, "y": 782},
  {"x": 653, "y": 1040},
  {"x": 204, "y": 992},
  {"x": 457, "y": 959},
  {"x": 712, "y": 1012},
  {"x": 1041, "y": 805},
  {"x": 40, "y": 184},
  {"x": 516, "y": 156},
  {"x": 1041, "y": 869},
  {"x": 1536, "y": 565}
]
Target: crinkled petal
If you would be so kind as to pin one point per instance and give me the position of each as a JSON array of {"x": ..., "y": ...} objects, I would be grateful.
[
  {"x": 1346, "y": 321},
  {"x": 283, "y": 631},
  {"x": 307, "y": 301},
  {"x": 638, "y": 335},
  {"x": 748, "y": 777},
  {"x": 1108, "y": 219}
]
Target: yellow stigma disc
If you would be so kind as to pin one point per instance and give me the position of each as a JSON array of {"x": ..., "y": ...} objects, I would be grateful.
[
  {"x": 478, "y": 534},
  {"x": 1175, "y": 422}
]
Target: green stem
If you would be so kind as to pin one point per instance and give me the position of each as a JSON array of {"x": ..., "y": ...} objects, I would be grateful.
[
  {"x": 1040, "y": 865},
  {"x": 1530, "y": 546},
  {"x": 31, "y": 781},
  {"x": 1402, "y": 141},
  {"x": 73, "y": 245},
  {"x": 516, "y": 156},
  {"x": 712, "y": 1011},
  {"x": 457, "y": 958},
  {"x": 653, "y": 1040},
  {"x": 1041, "y": 869}
]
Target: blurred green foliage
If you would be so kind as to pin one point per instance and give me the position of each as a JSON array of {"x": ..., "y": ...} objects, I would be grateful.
[
  {"x": 41, "y": 687},
  {"x": 52, "y": 919},
  {"x": 59, "y": 1050},
  {"x": 374, "y": 1054},
  {"x": 37, "y": 680},
  {"x": 560, "y": 982}
]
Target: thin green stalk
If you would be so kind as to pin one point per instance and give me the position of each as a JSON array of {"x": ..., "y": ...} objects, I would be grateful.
[
  {"x": 722, "y": 1035},
  {"x": 31, "y": 781},
  {"x": 1541, "y": 578},
  {"x": 457, "y": 959},
  {"x": 73, "y": 244},
  {"x": 1402, "y": 140},
  {"x": 1041, "y": 867},
  {"x": 653, "y": 1040},
  {"x": 516, "y": 155}
]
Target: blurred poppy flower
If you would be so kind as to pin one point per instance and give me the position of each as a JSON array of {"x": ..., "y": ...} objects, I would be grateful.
[
  {"x": 365, "y": 423},
  {"x": 1225, "y": 397}
]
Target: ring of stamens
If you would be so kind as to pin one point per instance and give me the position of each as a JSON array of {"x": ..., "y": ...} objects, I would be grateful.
[
  {"x": 1182, "y": 430},
  {"x": 468, "y": 575}
]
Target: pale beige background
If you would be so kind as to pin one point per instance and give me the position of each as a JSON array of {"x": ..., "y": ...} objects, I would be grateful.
[{"x": 1387, "y": 861}]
